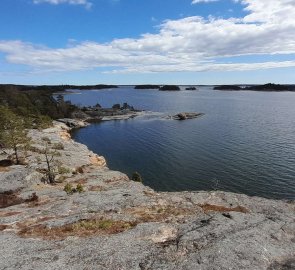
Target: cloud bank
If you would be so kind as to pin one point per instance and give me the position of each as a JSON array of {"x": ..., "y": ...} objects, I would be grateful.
[
  {"x": 203, "y": 1},
  {"x": 188, "y": 44},
  {"x": 85, "y": 3}
]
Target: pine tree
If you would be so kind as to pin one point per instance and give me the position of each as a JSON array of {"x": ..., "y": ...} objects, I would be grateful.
[{"x": 13, "y": 133}]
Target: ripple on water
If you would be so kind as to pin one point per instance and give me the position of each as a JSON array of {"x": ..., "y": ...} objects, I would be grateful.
[{"x": 245, "y": 141}]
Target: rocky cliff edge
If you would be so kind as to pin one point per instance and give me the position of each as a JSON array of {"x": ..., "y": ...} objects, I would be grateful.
[{"x": 116, "y": 223}]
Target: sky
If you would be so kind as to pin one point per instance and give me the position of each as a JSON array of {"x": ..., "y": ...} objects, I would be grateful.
[{"x": 147, "y": 41}]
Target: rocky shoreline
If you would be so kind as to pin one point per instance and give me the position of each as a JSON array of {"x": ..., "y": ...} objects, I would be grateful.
[{"x": 115, "y": 223}]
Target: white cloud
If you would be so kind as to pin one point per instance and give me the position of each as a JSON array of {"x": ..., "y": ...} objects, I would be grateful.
[
  {"x": 203, "y": 1},
  {"x": 86, "y": 3},
  {"x": 189, "y": 44}
]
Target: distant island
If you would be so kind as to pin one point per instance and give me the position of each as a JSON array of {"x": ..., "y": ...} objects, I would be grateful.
[
  {"x": 191, "y": 88},
  {"x": 147, "y": 86},
  {"x": 160, "y": 88},
  {"x": 169, "y": 88},
  {"x": 271, "y": 87},
  {"x": 228, "y": 87},
  {"x": 56, "y": 88}
]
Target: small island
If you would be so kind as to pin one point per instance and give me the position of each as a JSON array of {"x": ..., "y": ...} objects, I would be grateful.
[
  {"x": 186, "y": 115},
  {"x": 228, "y": 87},
  {"x": 169, "y": 88},
  {"x": 147, "y": 86},
  {"x": 192, "y": 88}
]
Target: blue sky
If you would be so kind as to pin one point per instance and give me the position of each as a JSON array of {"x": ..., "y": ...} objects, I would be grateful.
[{"x": 147, "y": 41}]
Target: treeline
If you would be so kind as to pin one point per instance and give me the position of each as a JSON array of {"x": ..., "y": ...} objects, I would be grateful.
[
  {"x": 264, "y": 87},
  {"x": 59, "y": 88},
  {"x": 36, "y": 104}
]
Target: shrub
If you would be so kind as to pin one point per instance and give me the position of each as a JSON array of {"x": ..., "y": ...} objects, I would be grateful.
[
  {"x": 63, "y": 170},
  {"x": 136, "y": 177},
  {"x": 68, "y": 188},
  {"x": 58, "y": 146},
  {"x": 79, "y": 188}
]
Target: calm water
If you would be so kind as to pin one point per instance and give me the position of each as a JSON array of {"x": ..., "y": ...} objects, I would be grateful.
[{"x": 245, "y": 143}]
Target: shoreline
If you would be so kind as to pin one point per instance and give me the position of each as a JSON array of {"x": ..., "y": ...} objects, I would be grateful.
[{"x": 127, "y": 225}]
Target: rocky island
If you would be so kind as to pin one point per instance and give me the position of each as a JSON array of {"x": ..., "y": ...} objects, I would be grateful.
[
  {"x": 147, "y": 86},
  {"x": 186, "y": 115},
  {"x": 228, "y": 87},
  {"x": 169, "y": 88},
  {"x": 160, "y": 88},
  {"x": 97, "y": 113}
]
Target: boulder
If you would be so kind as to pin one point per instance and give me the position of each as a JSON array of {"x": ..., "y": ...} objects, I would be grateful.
[
  {"x": 181, "y": 116},
  {"x": 72, "y": 123},
  {"x": 186, "y": 115}
]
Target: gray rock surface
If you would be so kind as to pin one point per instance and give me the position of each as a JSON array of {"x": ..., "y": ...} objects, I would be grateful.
[{"x": 119, "y": 224}]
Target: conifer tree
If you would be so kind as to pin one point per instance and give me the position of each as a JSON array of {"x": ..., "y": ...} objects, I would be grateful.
[{"x": 13, "y": 133}]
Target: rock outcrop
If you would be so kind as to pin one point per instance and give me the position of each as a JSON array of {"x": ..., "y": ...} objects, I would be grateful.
[
  {"x": 116, "y": 223},
  {"x": 186, "y": 115}
]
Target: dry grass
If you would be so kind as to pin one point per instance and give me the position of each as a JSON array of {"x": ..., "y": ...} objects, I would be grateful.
[
  {"x": 82, "y": 228},
  {"x": 149, "y": 193},
  {"x": 10, "y": 198},
  {"x": 3, "y": 227},
  {"x": 81, "y": 181},
  {"x": 4, "y": 169},
  {"x": 159, "y": 213},
  {"x": 218, "y": 208},
  {"x": 9, "y": 214},
  {"x": 96, "y": 188}
]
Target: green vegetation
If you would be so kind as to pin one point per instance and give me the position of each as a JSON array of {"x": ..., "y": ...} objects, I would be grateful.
[
  {"x": 52, "y": 165},
  {"x": 13, "y": 133},
  {"x": 136, "y": 177},
  {"x": 58, "y": 146},
  {"x": 63, "y": 170},
  {"x": 79, "y": 188},
  {"x": 69, "y": 189},
  {"x": 36, "y": 104}
]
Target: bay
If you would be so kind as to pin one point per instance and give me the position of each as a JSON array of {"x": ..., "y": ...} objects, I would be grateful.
[{"x": 244, "y": 143}]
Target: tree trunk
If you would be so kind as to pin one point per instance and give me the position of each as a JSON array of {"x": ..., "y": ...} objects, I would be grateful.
[
  {"x": 50, "y": 175},
  {"x": 16, "y": 154}
]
